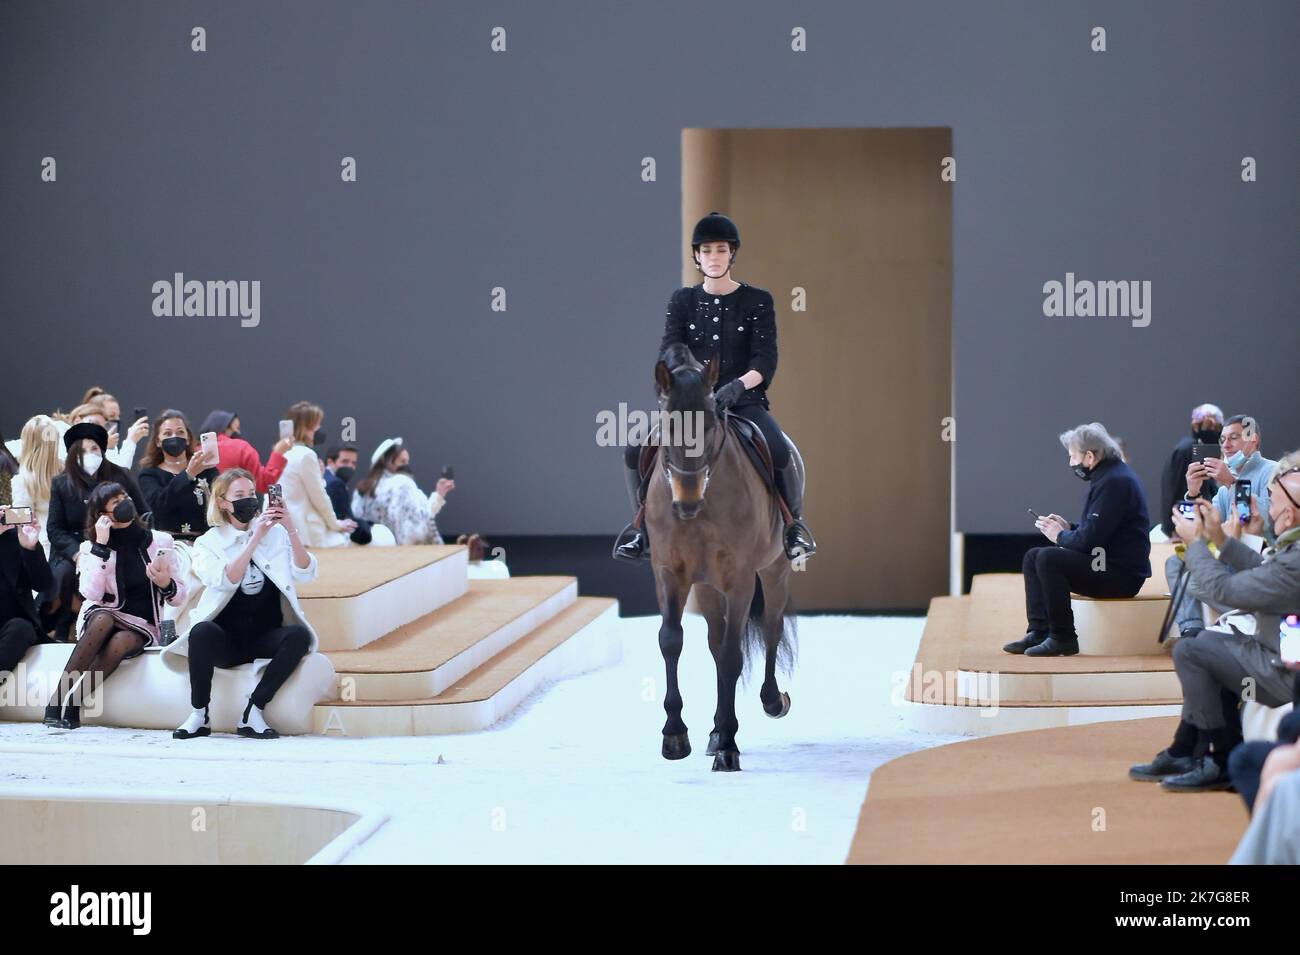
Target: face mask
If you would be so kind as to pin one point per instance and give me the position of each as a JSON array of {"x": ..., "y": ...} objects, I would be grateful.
[
  {"x": 1082, "y": 472},
  {"x": 319, "y": 437},
  {"x": 345, "y": 474},
  {"x": 90, "y": 463},
  {"x": 124, "y": 511},
  {"x": 235, "y": 435},
  {"x": 1236, "y": 461},
  {"x": 175, "y": 447},
  {"x": 1207, "y": 435},
  {"x": 245, "y": 509},
  {"x": 403, "y": 469}
]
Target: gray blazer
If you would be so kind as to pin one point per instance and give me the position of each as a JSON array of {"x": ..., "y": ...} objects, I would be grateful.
[{"x": 1266, "y": 586}]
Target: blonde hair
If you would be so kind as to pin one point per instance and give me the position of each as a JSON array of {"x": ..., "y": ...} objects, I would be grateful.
[
  {"x": 93, "y": 407},
  {"x": 305, "y": 417},
  {"x": 39, "y": 462},
  {"x": 216, "y": 516}
]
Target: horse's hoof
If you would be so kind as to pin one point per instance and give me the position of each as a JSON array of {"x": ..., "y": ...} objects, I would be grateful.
[
  {"x": 726, "y": 761},
  {"x": 676, "y": 746},
  {"x": 781, "y": 708},
  {"x": 713, "y": 743}
]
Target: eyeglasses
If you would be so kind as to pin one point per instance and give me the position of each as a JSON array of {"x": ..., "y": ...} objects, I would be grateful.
[{"x": 1277, "y": 481}]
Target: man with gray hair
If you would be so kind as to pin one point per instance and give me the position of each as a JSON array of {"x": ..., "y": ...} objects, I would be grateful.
[
  {"x": 1106, "y": 554},
  {"x": 1207, "y": 428}
]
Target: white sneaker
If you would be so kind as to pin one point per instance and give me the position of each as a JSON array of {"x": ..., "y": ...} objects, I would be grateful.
[
  {"x": 196, "y": 725},
  {"x": 253, "y": 725}
]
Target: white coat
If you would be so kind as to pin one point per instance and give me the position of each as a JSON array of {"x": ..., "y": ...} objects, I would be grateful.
[{"x": 306, "y": 501}]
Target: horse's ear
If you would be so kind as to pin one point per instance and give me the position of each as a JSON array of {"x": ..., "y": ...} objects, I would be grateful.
[
  {"x": 711, "y": 373},
  {"x": 663, "y": 377}
]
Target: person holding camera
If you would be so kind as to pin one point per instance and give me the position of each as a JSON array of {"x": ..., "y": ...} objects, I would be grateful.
[
  {"x": 23, "y": 569},
  {"x": 38, "y": 465},
  {"x": 1207, "y": 429},
  {"x": 176, "y": 478},
  {"x": 1243, "y": 651},
  {"x": 85, "y": 467},
  {"x": 389, "y": 496},
  {"x": 304, "y": 487},
  {"x": 234, "y": 452},
  {"x": 1239, "y": 466},
  {"x": 126, "y": 574},
  {"x": 1106, "y": 554},
  {"x": 250, "y": 565}
]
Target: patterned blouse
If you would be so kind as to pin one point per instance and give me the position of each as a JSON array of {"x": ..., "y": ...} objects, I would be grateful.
[{"x": 400, "y": 505}]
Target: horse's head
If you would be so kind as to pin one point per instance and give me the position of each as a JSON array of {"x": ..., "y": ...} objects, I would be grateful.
[{"x": 688, "y": 423}]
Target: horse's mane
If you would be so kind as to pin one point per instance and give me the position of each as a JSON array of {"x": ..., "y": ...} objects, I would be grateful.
[{"x": 678, "y": 355}]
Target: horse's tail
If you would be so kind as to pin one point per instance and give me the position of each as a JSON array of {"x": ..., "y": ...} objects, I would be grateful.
[{"x": 754, "y": 641}]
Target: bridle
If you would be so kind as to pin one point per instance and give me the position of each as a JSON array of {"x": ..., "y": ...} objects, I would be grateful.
[{"x": 710, "y": 458}]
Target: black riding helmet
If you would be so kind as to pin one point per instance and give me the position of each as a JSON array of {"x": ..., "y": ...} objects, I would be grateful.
[{"x": 715, "y": 227}]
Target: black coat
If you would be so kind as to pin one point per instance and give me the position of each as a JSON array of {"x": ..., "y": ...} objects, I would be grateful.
[
  {"x": 25, "y": 570},
  {"x": 1173, "y": 483},
  {"x": 341, "y": 501},
  {"x": 1114, "y": 519},
  {"x": 172, "y": 500},
  {"x": 739, "y": 329},
  {"x": 66, "y": 526}
]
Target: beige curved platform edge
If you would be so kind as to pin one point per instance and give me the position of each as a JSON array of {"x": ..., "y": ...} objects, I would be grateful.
[
  {"x": 1122, "y": 627},
  {"x": 952, "y": 720},
  {"x": 176, "y": 828}
]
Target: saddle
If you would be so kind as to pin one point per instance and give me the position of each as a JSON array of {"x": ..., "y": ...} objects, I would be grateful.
[{"x": 749, "y": 436}]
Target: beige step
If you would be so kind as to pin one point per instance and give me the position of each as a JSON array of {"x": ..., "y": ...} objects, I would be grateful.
[
  {"x": 425, "y": 657},
  {"x": 581, "y": 637}
]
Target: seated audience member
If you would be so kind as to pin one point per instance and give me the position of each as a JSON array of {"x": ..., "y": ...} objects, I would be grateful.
[
  {"x": 1215, "y": 666},
  {"x": 122, "y": 455},
  {"x": 304, "y": 488},
  {"x": 235, "y": 452},
  {"x": 1106, "y": 554},
  {"x": 125, "y": 572},
  {"x": 38, "y": 465},
  {"x": 340, "y": 466},
  {"x": 84, "y": 469},
  {"x": 176, "y": 478},
  {"x": 1207, "y": 428},
  {"x": 1214, "y": 480},
  {"x": 23, "y": 568},
  {"x": 388, "y": 495},
  {"x": 1273, "y": 836},
  {"x": 1248, "y": 761},
  {"x": 248, "y": 564},
  {"x": 125, "y": 455}
]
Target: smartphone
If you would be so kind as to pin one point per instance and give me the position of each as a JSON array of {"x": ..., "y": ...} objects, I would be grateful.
[
  {"x": 286, "y": 430},
  {"x": 1187, "y": 508},
  {"x": 274, "y": 496},
  {"x": 138, "y": 413},
  {"x": 449, "y": 472},
  {"x": 1201, "y": 451},
  {"x": 167, "y": 632},
  {"x": 18, "y": 515},
  {"x": 1241, "y": 496},
  {"x": 1290, "y": 639},
  {"x": 1037, "y": 516},
  {"x": 209, "y": 442}
]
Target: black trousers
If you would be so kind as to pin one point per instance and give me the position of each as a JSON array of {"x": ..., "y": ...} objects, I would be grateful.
[
  {"x": 753, "y": 412},
  {"x": 17, "y": 636},
  {"x": 212, "y": 645},
  {"x": 1053, "y": 573}
]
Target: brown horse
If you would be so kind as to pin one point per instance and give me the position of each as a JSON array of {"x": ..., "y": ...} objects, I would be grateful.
[{"x": 729, "y": 547}]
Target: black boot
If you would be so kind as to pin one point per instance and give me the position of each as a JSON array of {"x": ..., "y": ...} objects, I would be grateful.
[
  {"x": 53, "y": 713},
  {"x": 1031, "y": 639},
  {"x": 798, "y": 538},
  {"x": 71, "y": 717},
  {"x": 632, "y": 544}
]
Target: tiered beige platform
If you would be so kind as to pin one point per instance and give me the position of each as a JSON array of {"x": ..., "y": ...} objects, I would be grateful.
[
  {"x": 458, "y": 654},
  {"x": 963, "y": 682}
]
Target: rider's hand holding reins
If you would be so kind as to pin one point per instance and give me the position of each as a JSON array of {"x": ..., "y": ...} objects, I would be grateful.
[{"x": 729, "y": 394}]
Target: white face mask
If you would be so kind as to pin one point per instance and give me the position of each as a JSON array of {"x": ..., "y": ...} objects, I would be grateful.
[{"x": 90, "y": 463}]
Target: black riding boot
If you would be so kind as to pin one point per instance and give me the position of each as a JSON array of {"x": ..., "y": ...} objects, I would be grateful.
[
  {"x": 798, "y": 538},
  {"x": 631, "y": 543}
]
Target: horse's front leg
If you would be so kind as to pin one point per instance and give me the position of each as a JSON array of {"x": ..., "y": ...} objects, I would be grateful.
[
  {"x": 672, "y": 603},
  {"x": 729, "y": 661}
]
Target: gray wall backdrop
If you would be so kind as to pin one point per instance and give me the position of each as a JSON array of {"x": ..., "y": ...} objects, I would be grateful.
[{"x": 522, "y": 170}]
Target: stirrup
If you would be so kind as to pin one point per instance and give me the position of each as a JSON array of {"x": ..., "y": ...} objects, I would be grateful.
[
  {"x": 634, "y": 548},
  {"x": 798, "y": 540}
]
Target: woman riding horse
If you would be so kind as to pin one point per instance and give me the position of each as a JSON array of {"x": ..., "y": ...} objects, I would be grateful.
[{"x": 735, "y": 324}]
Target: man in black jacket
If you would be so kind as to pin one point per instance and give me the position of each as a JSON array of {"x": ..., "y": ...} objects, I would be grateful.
[
  {"x": 340, "y": 467},
  {"x": 23, "y": 568},
  {"x": 1207, "y": 428},
  {"x": 1106, "y": 554}
]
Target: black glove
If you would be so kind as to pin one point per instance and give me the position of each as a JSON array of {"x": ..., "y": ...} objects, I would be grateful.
[{"x": 729, "y": 394}]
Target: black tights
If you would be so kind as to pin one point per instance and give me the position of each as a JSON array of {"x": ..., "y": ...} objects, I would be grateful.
[
  {"x": 212, "y": 645},
  {"x": 756, "y": 413},
  {"x": 103, "y": 645}
]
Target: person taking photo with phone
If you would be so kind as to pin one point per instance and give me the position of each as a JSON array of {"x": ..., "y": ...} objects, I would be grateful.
[
  {"x": 234, "y": 452},
  {"x": 250, "y": 565},
  {"x": 388, "y": 496},
  {"x": 303, "y": 485},
  {"x": 176, "y": 478},
  {"x": 126, "y": 573}
]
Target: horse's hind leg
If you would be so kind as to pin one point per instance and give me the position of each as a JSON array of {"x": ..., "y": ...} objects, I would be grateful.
[
  {"x": 776, "y": 587},
  {"x": 672, "y": 601}
]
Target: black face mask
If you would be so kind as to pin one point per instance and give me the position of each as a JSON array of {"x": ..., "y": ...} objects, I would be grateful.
[
  {"x": 1207, "y": 435},
  {"x": 235, "y": 435},
  {"x": 175, "y": 446},
  {"x": 404, "y": 469},
  {"x": 319, "y": 437},
  {"x": 124, "y": 511},
  {"x": 345, "y": 474},
  {"x": 245, "y": 509},
  {"x": 1082, "y": 472}
]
